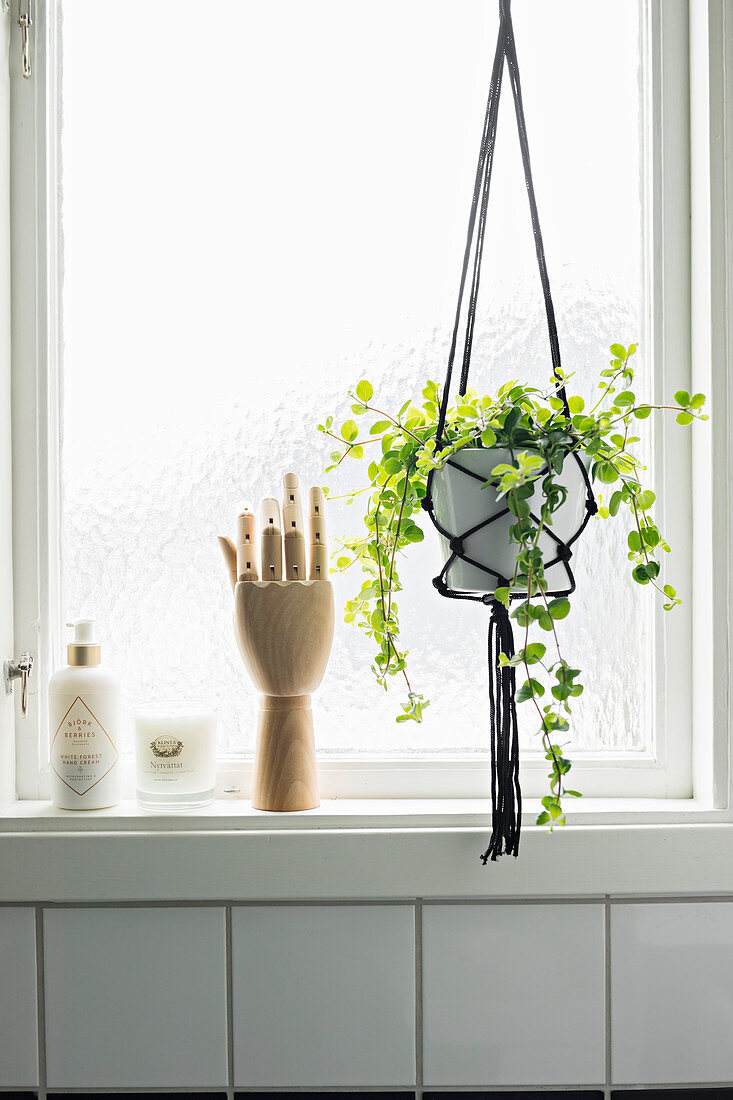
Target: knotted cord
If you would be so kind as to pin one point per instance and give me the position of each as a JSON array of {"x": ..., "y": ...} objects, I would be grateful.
[{"x": 505, "y": 790}]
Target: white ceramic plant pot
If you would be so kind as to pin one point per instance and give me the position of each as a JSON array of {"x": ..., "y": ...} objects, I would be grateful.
[{"x": 461, "y": 503}]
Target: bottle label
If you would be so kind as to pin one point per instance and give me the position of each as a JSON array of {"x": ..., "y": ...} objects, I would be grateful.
[{"x": 82, "y": 752}]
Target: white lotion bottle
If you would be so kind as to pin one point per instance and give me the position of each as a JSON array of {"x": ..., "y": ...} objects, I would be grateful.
[{"x": 84, "y": 706}]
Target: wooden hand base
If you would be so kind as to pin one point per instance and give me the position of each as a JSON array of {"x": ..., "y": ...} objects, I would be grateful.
[
  {"x": 285, "y": 775},
  {"x": 284, "y": 631}
]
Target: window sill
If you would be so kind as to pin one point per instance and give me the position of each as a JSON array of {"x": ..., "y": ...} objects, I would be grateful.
[
  {"x": 238, "y": 815},
  {"x": 366, "y": 850}
]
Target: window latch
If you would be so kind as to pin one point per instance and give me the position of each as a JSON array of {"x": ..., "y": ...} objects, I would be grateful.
[
  {"x": 25, "y": 22},
  {"x": 19, "y": 670}
]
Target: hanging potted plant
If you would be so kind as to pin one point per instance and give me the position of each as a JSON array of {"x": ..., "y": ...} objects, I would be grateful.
[
  {"x": 511, "y": 488},
  {"x": 507, "y": 479}
]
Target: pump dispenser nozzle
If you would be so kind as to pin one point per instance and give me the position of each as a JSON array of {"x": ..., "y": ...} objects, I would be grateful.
[{"x": 85, "y": 648}]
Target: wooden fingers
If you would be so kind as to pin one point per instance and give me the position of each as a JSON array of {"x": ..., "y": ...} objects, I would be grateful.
[
  {"x": 271, "y": 541},
  {"x": 246, "y": 547},
  {"x": 282, "y": 550},
  {"x": 318, "y": 551},
  {"x": 293, "y": 536},
  {"x": 229, "y": 553}
]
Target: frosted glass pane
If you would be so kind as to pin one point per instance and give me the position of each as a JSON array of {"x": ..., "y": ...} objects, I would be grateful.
[{"x": 257, "y": 212}]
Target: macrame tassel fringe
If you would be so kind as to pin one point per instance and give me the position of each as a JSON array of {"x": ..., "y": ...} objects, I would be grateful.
[{"x": 506, "y": 796}]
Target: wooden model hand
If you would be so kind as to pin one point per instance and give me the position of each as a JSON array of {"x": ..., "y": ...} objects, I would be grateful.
[{"x": 284, "y": 629}]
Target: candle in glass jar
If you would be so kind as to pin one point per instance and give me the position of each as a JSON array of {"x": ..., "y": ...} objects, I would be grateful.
[{"x": 174, "y": 750}]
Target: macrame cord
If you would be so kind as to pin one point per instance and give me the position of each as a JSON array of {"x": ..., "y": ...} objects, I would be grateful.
[{"x": 506, "y": 797}]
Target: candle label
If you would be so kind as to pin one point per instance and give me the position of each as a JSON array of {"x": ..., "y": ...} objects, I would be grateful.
[
  {"x": 166, "y": 747},
  {"x": 174, "y": 750},
  {"x": 82, "y": 752}
]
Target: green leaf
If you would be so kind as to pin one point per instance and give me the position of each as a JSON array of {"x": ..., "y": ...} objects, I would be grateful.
[
  {"x": 618, "y": 351},
  {"x": 682, "y": 397},
  {"x": 349, "y": 430},
  {"x": 543, "y": 818},
  {"x": 684, "y": 418},
  {"x": 607, "y": 473},
  {"x": 488, "y": 437},
  {"x": 380, "y": 426},
  {"x": 342, "y": 562},
  {"x": 626, "y": 397},
  {"x": 522, "y": 613},
  {"x": 534, "y": 652},
  {"x": 576, "y": 405},
  {"x": 545, "y": 620},
  {"x": 392, "y": 466},
  {"x": 559, "y": 608},
  {"x": 615, "y": 502},
  {"x": 530, "y": 689},
  {"x": 365, "y": 391},
  {"x": 645, "y": 499},
  {"x": 356, "y": 452},
  {"x": 502, "y": 595},
  {"x": 634, "y": 541},
  {"x": 697, "y": 400},
  {"x": 641, "y": 412}
]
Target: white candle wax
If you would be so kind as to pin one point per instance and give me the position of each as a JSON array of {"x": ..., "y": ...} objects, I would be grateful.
[{"x": 174, "y": 750}]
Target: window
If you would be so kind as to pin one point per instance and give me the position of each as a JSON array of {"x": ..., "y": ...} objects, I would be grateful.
[{"x": 232, "y": 237}]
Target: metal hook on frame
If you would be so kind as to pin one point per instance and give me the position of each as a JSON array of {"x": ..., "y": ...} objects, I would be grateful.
[
  {"x": 19, "y": 670},
  {"x": 25, "y": 22}
]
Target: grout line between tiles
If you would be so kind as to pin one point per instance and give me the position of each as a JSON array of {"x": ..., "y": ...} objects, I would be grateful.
[
  {"x": 317, "y": 1090},
  {"x": 418, "y": 1001},
  {"x": 703, "y": 1088},
  {"x": 142, "y": 1090},
  {"x": 511, "y": 1090},
  {"x": 40, "y": 1003},
  {"x": 230, "y": 1002},
  {"x": 214, "y": 903},
  {"x": 607, "y": 991}
]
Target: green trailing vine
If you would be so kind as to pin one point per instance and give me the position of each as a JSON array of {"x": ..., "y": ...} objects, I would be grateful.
[{"x": 400, "y": 452}]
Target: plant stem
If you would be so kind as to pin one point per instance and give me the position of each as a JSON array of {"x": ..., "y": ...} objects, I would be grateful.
[{"x": 396, "y": 536}]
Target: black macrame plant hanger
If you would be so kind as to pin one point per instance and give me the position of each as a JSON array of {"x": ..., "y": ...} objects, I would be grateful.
[{"x": 506, "y": 795}]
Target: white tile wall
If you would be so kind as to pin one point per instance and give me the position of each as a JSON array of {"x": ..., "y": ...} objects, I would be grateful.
[
  {"x": 135, "y": 997},
  {"x": 18, "y": 1013},
  {"x": 513, "y": 995},
  {"x": 672, "y": 993},
  {"x": 324, "y": 995}
]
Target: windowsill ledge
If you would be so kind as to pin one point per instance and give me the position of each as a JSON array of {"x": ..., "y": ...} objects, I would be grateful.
[
  {"x": 237, "y": 814},
  {"x": 363, "y": 851}
]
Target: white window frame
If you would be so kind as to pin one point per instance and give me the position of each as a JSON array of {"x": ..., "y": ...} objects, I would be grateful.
[{"x": 687, "y": 770}]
